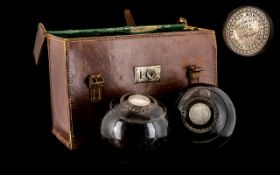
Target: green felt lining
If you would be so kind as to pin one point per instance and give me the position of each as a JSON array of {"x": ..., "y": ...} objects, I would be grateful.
[{"x": 127, "y": 30}]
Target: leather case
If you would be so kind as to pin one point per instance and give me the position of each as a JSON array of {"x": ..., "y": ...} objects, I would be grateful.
[{"x": 89, "y": 68}]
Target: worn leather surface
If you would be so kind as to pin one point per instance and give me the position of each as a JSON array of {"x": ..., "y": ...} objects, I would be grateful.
[
  {"x": 61, "y": 114},
  {"x": 115, "y": 57},
  {"x": 75, "y": 118}
]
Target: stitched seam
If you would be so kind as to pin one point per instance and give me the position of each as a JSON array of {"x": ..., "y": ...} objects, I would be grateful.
[
  {"x": 215, "y": 58},
  {"x": 158, "y": 35},
  {"x": 61, "y": 138},
  {"x": 124, "y": 37},
  {"x": 56, "y": 132},
  {"x": 51, "y": 80},
  {"x": 56, "y": 39},
  {"x": 69, "y": 93}
]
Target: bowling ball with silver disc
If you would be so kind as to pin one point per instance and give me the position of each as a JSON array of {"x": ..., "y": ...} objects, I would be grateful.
[
  {"x": 247, "y": 31},
  {"x": 207, "y": 114},
  {"x": 135, "y": 123}
]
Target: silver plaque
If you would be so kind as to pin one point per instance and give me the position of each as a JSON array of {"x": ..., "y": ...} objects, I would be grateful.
[{"x": 247, "y": 30}]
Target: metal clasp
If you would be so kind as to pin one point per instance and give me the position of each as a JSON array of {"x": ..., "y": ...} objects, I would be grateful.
[
  {"x": 193, "y": 73},
  {"x": 95, "y": 84},
  {"x": 147, "y": 73},
  {"x": 182, "y": 20}
]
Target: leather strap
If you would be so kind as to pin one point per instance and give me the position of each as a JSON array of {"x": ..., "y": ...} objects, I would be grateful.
[{"x": 39, "y": 42}]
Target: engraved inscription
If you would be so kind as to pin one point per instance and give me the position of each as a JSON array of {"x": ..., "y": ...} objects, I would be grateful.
[{"x": 247, "y": 31}]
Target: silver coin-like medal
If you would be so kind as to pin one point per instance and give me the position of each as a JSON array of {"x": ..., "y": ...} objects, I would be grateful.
[
  {"x": 247, "y": 30},
  {"x": 200, "y": 114}
]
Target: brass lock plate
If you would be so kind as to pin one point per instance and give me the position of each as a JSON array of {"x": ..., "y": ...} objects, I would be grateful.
[{"x": 144, "y": 74}]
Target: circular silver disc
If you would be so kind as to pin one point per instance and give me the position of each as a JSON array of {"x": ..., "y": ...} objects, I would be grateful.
[
  {"x": 199, "y": 114},
  {"x": 247, "y": 30},
  {"x": 139, "y": 100}
]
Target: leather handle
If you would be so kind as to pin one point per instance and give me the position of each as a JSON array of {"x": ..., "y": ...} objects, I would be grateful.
[
  {"x": 129, "y": 18},
  {"x": 39, "y": 42}
]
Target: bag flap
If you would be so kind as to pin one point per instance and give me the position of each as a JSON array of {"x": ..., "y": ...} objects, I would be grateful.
[{"x": 39, "y": 42}]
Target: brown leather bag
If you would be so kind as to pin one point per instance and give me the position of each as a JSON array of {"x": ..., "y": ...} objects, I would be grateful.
[{"x": 87, "y": 72}]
